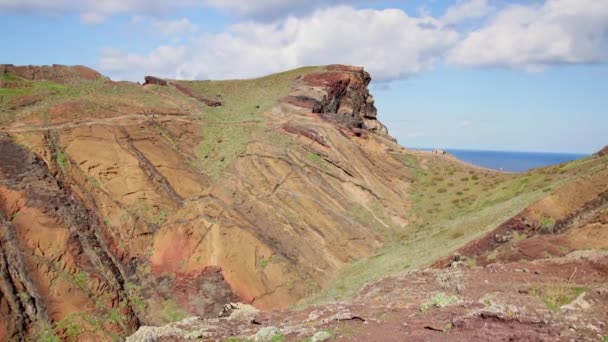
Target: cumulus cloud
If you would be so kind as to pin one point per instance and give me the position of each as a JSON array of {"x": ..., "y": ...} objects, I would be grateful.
[
  {"x": 389, "y": 43},
  {"x": 92, "y": 18},
  {"x": 466, "y": 10},
  {"x": 174, "y": 27},
  {"x": 156, "y": 62},
  {"x": 535, "y": 36}
]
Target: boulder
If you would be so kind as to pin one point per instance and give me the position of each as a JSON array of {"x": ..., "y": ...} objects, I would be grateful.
[{"x": 155, "y": 80}]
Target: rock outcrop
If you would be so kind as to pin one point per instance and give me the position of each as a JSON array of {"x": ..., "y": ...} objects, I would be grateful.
[
  {"x": 154, "y": 80},
  {"x": 340, "y": 93},
  {"x": 146, "y": 206}
]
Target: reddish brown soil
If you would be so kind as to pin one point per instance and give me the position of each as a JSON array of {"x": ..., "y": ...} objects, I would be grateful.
[{"x": 497, "y": 302}]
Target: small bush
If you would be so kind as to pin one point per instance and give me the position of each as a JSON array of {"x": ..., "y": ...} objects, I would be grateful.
[
  {"x": 93, "y": 181},
  {"x": 62, "y": 160},
  {"x": 440, "y": 300},
  {"x": 557, "y": 296},
  {"x": 547, "y": 225},
  {"x": 317, "y": 159}
]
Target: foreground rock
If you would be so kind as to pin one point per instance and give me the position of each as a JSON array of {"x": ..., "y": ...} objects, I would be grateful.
[{"x": 499, "y": 302}]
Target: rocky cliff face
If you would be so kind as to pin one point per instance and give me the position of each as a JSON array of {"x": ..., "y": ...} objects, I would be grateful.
[
  {"x": 124, "y": 205},
  {"x": 341, "y": 94}
]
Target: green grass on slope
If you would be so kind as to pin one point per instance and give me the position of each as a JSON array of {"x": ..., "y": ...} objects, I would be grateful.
[
  {"x": 92, "y": 97},
  {"x": 452, "y": 205},
  {"x": 228, "y": 129}
]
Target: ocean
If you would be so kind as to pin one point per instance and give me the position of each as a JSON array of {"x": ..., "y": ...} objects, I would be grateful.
[{"x": 511, "y": 161}]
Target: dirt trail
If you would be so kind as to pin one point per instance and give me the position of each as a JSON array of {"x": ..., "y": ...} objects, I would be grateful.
[{"x": 130, "y": 118}]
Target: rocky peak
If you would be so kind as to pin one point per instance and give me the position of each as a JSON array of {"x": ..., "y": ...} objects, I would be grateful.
[
  {"x": 603, "y": 151},
  {"x": 340, "y": 93}
]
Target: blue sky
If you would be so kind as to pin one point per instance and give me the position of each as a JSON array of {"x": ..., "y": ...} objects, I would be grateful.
[{"x": 471, "y": 74}]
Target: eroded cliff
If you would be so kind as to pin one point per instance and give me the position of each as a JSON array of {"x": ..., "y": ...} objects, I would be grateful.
[{"x": 125, "y": 205}]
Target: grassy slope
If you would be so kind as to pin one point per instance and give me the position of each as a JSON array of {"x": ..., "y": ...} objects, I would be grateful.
[
  {"x": 230, "y": 127},
  {"x": 454, "y": 203},
  {"x": 96, "y": 96}
]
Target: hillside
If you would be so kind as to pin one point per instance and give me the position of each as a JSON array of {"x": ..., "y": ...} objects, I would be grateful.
[{"x": 126, "y": 205}]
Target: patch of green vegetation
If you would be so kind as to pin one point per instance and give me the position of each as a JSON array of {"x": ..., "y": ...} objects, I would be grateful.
[
  {"x": 317, "y": 159},
  {"x": 134, "y": 294},
  {"x": 144, "y": 269},
  {"x": 440, "y": 300},
  {"x": 172, "y": 313},
  {"x": 417, "y": 249},
  {"x": 47, "y": 334},
  {"x": 230, "y": 127},
  {"x": 71, "y": 328},
  {"x": 24, "y": 296},
  {"x": 546, "y": 225},
  {"x": 81, "y": 279},
  {"x": 114, "y": 316},
  {"x": 62, "y": 160},
  {"x": 93, "y": 182},
  {"x": 557, "y": 296},
  {"x": 263, "y": 263},
  {"x": 161, "y": 217}
]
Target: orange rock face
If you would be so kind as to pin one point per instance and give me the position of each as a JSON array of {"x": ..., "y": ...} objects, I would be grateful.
[{"x": 110, "y": 222}]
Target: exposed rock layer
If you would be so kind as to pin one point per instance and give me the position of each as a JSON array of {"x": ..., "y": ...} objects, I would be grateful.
[{"x": 103, "y": 199}]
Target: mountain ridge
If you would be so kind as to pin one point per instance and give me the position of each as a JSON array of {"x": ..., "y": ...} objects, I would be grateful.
[{"x": 174, "y": 198}]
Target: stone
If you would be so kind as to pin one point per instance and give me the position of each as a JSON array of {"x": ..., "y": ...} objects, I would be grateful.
[
  {"x": 267, "y": 334},
  {"x": 320, "y": 336}
]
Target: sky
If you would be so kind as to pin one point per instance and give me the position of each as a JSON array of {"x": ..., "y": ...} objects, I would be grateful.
[{"x": 465, "y": 74}]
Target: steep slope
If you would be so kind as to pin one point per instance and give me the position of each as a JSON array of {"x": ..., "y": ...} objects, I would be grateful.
[
  {"x": 125, "y": 205},
  {"x": 540, "y": 275},
  {"x": 276, "y": 189}
]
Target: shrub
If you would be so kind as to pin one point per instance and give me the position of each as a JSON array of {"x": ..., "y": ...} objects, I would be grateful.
[
  {"x": 556, "y": 296},
  {"x": 547, "y": 225},
  {"x": 440, "y": 300},
  {"x": 317, "y": 159},
  {"x": 62, "y": 160}
]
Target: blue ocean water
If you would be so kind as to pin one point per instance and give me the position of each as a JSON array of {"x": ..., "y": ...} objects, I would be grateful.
[{"x": 511, "y": 161}]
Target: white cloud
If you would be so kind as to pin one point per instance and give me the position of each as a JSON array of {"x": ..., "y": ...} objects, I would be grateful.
[
  {"x": 465, "y": 10},
  {"x": 92, "y": 18},
  {"x": 174, "y": 27},
  {"x": 389, "y": 43},
  {"x": 131, "y": 65},
  {"x": 536, "y": 36}
]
